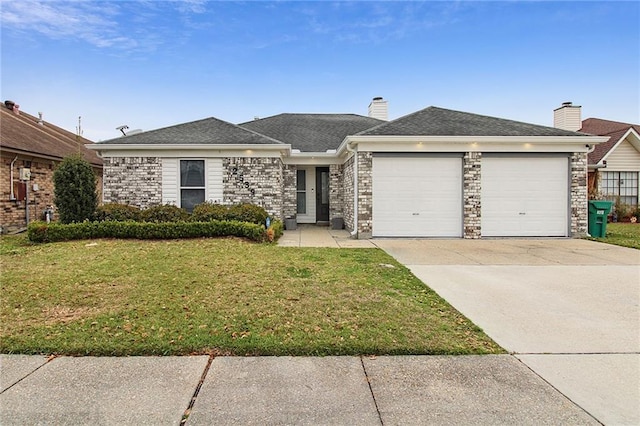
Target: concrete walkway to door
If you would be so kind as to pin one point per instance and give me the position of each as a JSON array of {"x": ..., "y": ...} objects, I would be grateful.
[
  {"x": 321, "y": 236},
  {"x": 568, "y": 309}
]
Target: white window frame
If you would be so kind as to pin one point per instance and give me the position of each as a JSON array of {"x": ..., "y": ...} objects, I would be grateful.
[
  {"x": 301, "y": 191},
  {"x": 612, "y": 192},
  {"x": 204, "y": 175}
]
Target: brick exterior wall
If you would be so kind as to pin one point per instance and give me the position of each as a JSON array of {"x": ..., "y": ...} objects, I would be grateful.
[
  {"x": 289, "y": 197},
  {"x": 271, "y": 184},
  {"x": 254, "y": 180},
  {"x": 13, "y": 212},
  {"x": 347, "y": 194},
  {"x": 365, "y": 194},
  {"x": 471, "y": 187},
  {"x": 579, "y": 195},
  {"x": 336, "y": 192},
  {"x": 136, "y": 181}
]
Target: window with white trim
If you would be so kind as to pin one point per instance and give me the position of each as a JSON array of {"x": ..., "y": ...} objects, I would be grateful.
[
  {"x": 620, "y": 184},
  {"x": 301, "y": 190},
  {"x": 192, "y": 183}
]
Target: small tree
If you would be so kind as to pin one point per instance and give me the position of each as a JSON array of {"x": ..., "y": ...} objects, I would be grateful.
[{"x": 75, "y": 190}]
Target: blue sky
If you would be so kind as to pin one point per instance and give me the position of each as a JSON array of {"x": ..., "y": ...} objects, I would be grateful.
[{"x": 151, "y": 64}]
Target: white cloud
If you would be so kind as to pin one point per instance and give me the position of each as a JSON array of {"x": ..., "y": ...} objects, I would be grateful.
[{"x": 101, "y": 24}]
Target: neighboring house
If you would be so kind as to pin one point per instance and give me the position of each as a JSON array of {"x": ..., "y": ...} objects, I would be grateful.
[
  {"x": 614, "y": 166},
  {"x": 30, "y": 144},
  {"x": 433, "y": 173}
]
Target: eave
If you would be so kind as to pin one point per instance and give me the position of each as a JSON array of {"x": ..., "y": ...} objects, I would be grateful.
[
  {"x": 471, "y": 143},
  {"x": 196, "y": 150}
]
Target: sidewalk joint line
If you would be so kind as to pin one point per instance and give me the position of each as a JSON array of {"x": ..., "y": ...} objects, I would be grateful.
[
  {"x": 187, "y": 412},
  {"x": 49, "y": 359},
  {"x": 558, "y": 390},
  {"x": 366, "y": 376}
]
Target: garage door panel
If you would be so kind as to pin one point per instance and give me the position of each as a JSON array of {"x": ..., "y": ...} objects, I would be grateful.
[
  {"x": 417, "y": 197},
  {"x": 524, "y": 196}
]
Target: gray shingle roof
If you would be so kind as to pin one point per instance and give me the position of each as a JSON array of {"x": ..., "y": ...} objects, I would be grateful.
[
  {"x": 206, "y": 131},
  {"x": 312, "y": 132},
  {"x": 434, "y": 121}
]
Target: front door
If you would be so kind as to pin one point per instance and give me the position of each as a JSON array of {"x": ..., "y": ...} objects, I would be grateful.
[{"x": 322, "y": 195}]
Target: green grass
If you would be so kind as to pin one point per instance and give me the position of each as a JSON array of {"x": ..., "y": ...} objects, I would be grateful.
[
  {"x": 220, "y": 296},
  {"x": 622, "y": 234}
]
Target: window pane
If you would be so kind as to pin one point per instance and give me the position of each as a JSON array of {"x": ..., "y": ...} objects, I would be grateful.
[
  {"x": 192, "y": 173},
  {"x": 189, "y": 198},
  {"x": 302, "y": 180},
  {"x": 302, "y": 202}
]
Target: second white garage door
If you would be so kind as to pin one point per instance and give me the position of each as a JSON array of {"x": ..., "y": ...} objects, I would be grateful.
[
  {"x": 525, "y": 196},
  {"x": 417, "y": 196}
]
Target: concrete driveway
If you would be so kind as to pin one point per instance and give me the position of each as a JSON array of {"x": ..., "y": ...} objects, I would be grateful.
[{"x": 568, "y": 309}]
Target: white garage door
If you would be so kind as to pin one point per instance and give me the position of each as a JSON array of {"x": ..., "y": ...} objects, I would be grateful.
[
  {"x": 525, "y": 196},
  {"x": 417, "y": 196}
]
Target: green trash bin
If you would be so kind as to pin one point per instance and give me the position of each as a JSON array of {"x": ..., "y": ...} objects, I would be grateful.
[{"x": 598, "y": 212}]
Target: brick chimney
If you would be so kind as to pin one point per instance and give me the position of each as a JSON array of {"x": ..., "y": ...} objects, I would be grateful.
[
  {"x": 378, "y": 109},
  {"x": 568, "y": 117}
]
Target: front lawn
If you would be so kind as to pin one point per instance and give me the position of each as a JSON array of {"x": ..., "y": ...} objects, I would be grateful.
[
  {"x": 622, "y": 234},
  {"x": 220, "y": 296}
]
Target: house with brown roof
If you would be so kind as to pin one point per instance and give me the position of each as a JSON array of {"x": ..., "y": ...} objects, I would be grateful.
[
  {"x": 30, "y": 149},
  {"x": 432, "y": 173},
  {"x": 614, "y": 166}
]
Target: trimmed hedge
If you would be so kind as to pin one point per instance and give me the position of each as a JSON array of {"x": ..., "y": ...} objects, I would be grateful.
[
  {"x": 42, "y": 232},
  {"x": 203, "y": 212}
]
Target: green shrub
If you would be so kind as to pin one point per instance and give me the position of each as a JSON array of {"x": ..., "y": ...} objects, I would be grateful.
[
  {"x": 164, "y": 213},
  {"x": 206, "y": 211},
  {"x": 247, "y": 213},
  {"x": 42, "y": 232},
  {"x": 74, "y": 191},
  {"x": 239, "y": 212},
  {"x": 117, "y": 212}
]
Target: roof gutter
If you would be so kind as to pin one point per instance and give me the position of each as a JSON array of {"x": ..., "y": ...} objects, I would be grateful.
[
  {"x": 186, "y": 147},
  {"x": 245, "y": 150},
  {"x": 588, "y": 139}
]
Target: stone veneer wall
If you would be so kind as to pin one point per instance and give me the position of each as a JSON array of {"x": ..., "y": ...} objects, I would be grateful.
[
  {"x": 336, "y": 192},
  {"x": 365, "y": 194},
  {"x": 471, "y": 193},
  {"x": 254, "y": 180},
  {"x": 579, "y": 194},
  {"x": 136, "y": 181},
  {"x": 289, "y": 193},
  {"x": 347, "y": 194}
]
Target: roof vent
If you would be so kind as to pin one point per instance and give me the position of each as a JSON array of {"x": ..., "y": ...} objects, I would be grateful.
[
  {"x": 40, "y": 122},
  {"x": 12, "y": 106}
]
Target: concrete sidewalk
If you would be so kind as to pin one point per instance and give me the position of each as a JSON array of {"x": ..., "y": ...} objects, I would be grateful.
[{"x": 479, "y": 390}]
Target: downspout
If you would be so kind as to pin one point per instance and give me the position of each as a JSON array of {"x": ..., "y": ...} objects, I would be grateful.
[
  {"x": 13, "y": 196},
  {"x": 355, "y": 189}
]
